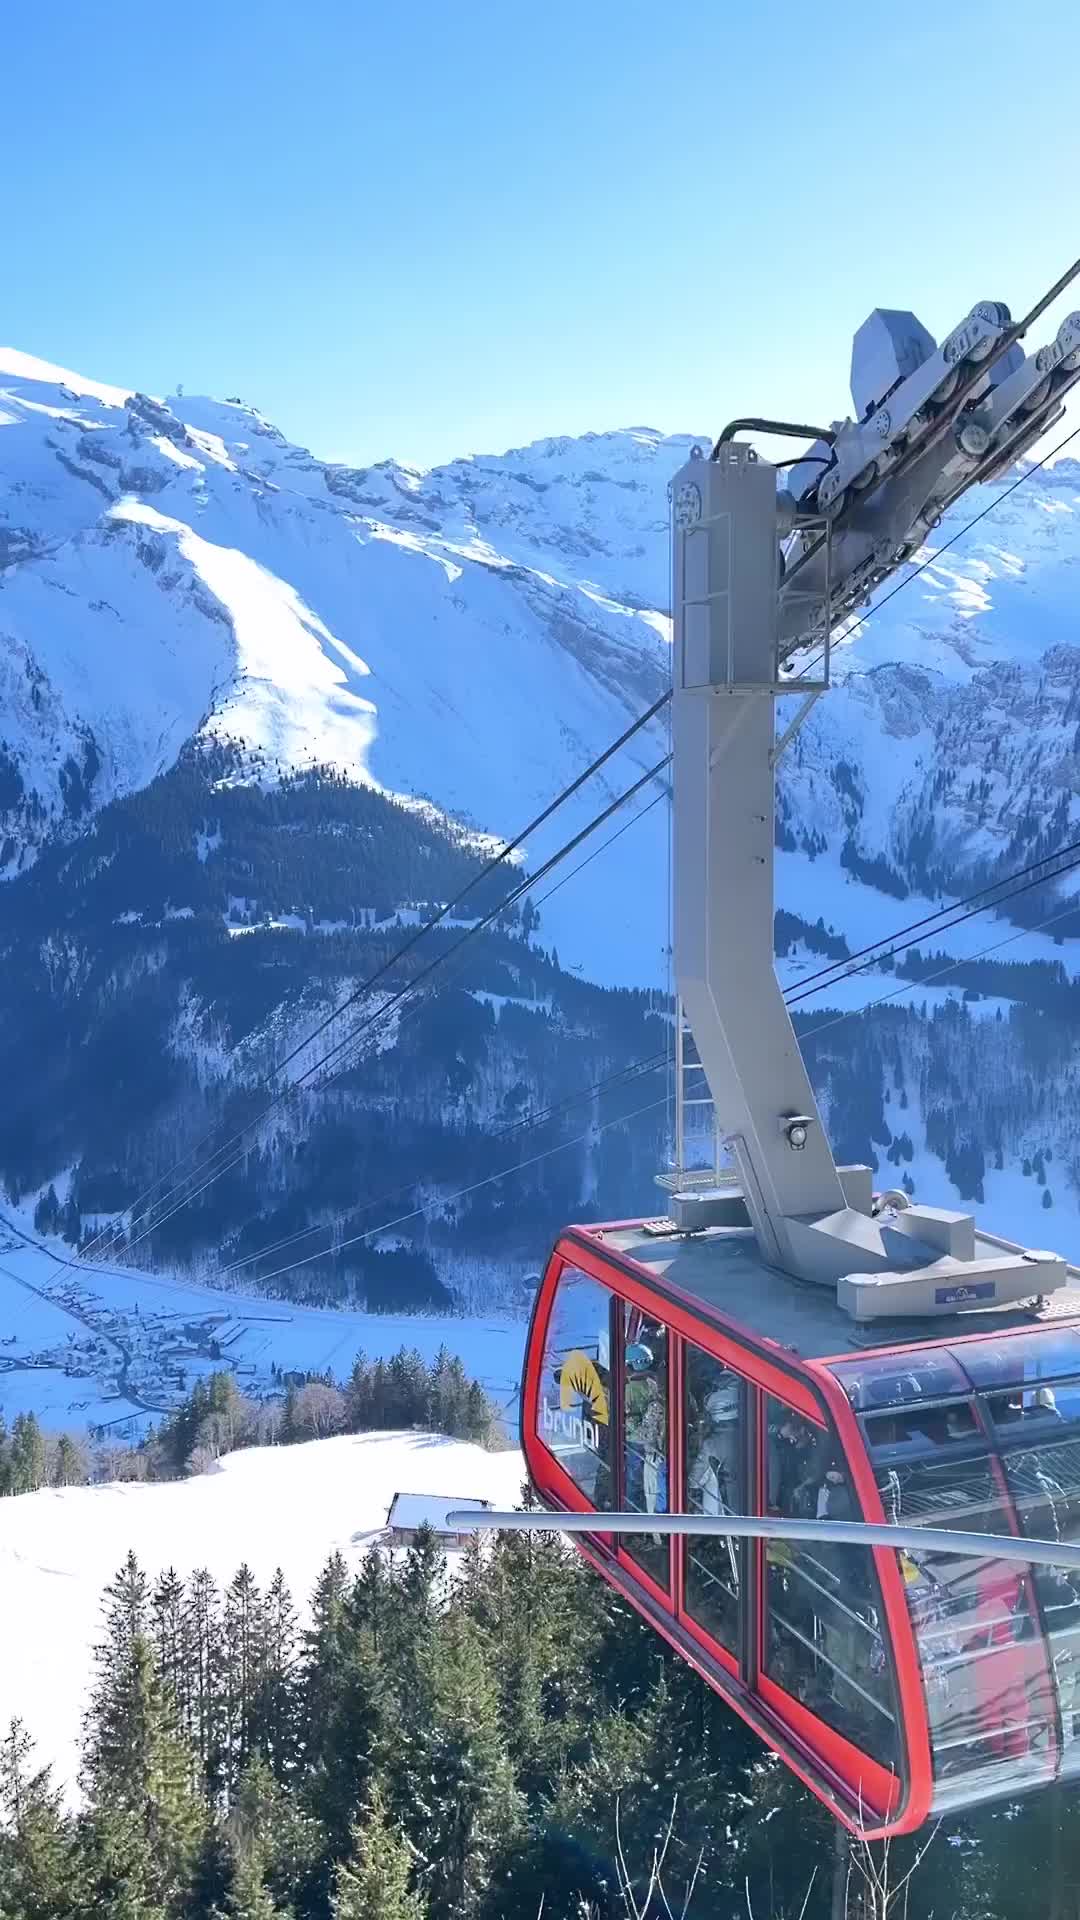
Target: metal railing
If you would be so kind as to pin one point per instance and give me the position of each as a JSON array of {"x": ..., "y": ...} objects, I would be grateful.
[{"x": 846, "y": 1533}]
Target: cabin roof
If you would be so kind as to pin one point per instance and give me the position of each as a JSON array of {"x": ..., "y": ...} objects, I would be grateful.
[{"x": 723, "y": 1268}]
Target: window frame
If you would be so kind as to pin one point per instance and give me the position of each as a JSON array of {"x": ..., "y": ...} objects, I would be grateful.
[
  {"x": 738, "y": 1660},
  {"x": 864, "y": 1796},
  {"x": 768, "y": 1686},
  {"x": 666, "y": 1597}
]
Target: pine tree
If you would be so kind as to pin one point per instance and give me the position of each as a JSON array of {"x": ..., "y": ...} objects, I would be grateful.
[
  {"x": 140, "y": 1764},
  {"x": 249, "y": 1896},
  {"x": 26, "y": 1454},
  {"x": 242, "y": 1671},
  {"x": 47, "y": 1211},
  {"x": 227, "y": 1414},
  {"x": 38, "y": 1879},
  {"x": 481, "y": 1423},
  {"x": 451, "y": 1773},
  {"x": 136, "y": 1763},
  {"x": 118, "y": 1872},
  {"x": 349, "y": 1710},
  {"x": 371, "y": 1603},
  {"x": 212, "y": 1874},
  {"x": 169, "y": 1629},
  {"x": 125, "y": 1604},
  {"x": 281, "y": 1845},
  {"x": 275, "y": 1732},
  {"x": 447, "y": 1394},
  {"x": 204, "y": 1684},
  {"x": 373, "y": 1883},
  {"x": 358, "y": 1395},
  {"x": 69, "y": 1469},
  {"x": 418, "y": 1588},
  {"x": 327, "y": 1643}
]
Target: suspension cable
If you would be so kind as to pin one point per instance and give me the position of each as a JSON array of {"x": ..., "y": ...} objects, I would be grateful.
[
  {"x": 392, "y": 1001},
  {"x": 911, "y": 986},
  {"x": 638, "y": 1069},
  {"x": 847, "y": 964},
  {"x": 806, "y": 990},
  {"x": 902, "y": 946},
  {"x": 140, "y": 1205}
]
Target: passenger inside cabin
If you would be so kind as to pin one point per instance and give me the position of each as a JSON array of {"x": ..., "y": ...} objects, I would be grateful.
[
  {"x": 646, "y": 1429},
  {"x": 713, "y": 1473},
  {"x": 793, "y": 1475}
]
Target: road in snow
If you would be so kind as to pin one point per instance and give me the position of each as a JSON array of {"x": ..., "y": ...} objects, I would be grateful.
[{"x": 288, "y": 1507}]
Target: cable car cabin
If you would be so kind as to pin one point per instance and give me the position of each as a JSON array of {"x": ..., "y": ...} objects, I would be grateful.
[{"x": 679, "y": 1371}]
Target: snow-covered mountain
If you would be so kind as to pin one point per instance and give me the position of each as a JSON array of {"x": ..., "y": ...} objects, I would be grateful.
[
  {"x": 471, "y": 635},
  {"x": 174, "y": 571}
]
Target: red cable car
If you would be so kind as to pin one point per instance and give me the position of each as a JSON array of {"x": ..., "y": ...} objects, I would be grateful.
[
  {"x": 786, "y": 1342},
  {"x": 897, "y": 1686}
]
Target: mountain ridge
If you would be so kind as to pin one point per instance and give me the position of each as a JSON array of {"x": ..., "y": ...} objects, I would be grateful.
[{"x": 179, "y": 580}]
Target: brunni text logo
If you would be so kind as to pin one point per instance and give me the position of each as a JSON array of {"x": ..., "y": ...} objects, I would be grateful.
[{"x": 579, "y": 1380}]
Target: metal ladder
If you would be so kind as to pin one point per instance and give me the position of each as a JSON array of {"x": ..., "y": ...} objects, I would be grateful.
[{"x": 698, "y": 1154}]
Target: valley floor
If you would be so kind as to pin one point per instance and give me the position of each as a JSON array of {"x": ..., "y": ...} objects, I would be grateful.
[{"x": 83, "y": 1345}]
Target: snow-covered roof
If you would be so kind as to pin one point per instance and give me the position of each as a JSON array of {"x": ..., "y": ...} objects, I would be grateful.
[{"x": 429, "y": 1510}]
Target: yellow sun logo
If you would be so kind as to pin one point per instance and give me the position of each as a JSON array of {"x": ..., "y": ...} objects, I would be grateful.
[{"x": 579, "y": 1376}]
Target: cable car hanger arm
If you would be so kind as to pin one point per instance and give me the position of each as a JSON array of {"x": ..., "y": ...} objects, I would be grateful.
[{"x": 758, "y": 574}]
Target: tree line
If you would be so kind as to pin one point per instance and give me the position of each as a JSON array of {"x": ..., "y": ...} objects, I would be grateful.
[
  {"x": 31, "y": 1457},
  {"x": 379, "y": 1395},
  {"x": 505, "y": 1742},
  {"x": 215, "y": 1417}
]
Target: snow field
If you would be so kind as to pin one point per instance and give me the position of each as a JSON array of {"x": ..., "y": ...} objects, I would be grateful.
[{"x": 287, "y": 1507}]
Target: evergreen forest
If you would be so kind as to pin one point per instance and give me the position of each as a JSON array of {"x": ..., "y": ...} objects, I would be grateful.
[{"x": 506, "y": 1742}]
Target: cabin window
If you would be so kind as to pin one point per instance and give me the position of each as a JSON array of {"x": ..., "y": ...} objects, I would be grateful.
[
  {"x": 824, "y": 1640},
  {"x": 645, "y": 1435},
  {"x": 574, "y": 1413},
  {"x": 1038, "y": 1431},
  {"x": 989, "y": 1699},
  {"x": 715, "y": 1426}
]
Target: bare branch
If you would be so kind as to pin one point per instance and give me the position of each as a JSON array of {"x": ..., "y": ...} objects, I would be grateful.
[{"x": 809, "y": 1891}]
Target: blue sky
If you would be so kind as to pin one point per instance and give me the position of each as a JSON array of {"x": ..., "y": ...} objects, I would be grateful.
[{"x": 426, "y": 229}]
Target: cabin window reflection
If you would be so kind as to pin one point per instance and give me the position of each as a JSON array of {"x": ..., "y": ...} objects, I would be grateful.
[
  {"x": 824, "y": 1640},
  {"x": 989, "y": 1694},
  {"x": 645, "y": 1429},
  {"x": 1037, "y": 1428},
  {"x": 574, "y": 1413},
  {"x": 715, "y": 1427}
]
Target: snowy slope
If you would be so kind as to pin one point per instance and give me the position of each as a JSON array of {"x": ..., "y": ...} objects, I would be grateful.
[
  {"x": 472, "y": 634},
  {"x": 176, "y": 570},
  {"x": 287, "y": 1507}
]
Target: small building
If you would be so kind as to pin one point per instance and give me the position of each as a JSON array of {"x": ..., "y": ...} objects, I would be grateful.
[{"x": 411, "y": 1511}]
